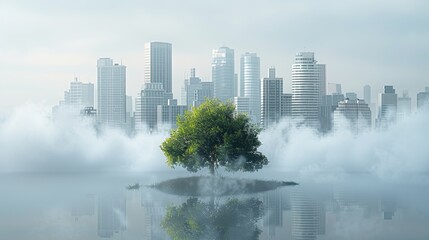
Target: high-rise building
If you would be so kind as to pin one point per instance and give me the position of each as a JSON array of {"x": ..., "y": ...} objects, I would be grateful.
[
  {"x": 129, "y": 119},
  {"x": 195, "y": 91},
  {"x": 423, "y": 100},
  {"x": 158, "y": 64},
  {"x": 404, "y": 106},
  {"x": 223, "y": 73},
  {"x": 286, "y": 102},
  {"x": 152, "y": 95},
  {"x": 111, "y": 85},
  {"x": 367, "y": 94},
  {"x": 308, "y": 87},
  {"x": 271, "y": 99},
  {"x": 236, "y": 87},
  {"x": 167, "y": 114},
  {"x": 327, "y": 108},
  {"x": 77, "y": 98},
  {"x": 242, "y": 105},
  {"x": 206, "y": 92},
  {"x": 353, "y": 114},
  {"x": 387, "y": 106},
  {"x": 250, "y": 84}
]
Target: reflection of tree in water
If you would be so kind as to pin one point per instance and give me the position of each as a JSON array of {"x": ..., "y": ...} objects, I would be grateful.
[{"x": 194, "y": 219}]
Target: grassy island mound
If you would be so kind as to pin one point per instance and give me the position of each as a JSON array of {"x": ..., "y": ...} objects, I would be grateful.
[{"x": 217, "y": 186}]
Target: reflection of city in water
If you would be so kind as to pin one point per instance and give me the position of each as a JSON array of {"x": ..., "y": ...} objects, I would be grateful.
[{"x": 303, "y": 212}]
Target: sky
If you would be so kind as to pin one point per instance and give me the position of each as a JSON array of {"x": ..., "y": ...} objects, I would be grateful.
[{"x": 45, "y": 44}]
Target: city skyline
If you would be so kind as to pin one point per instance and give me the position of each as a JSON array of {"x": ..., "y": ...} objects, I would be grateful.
[{"x": 390, "y": 50}]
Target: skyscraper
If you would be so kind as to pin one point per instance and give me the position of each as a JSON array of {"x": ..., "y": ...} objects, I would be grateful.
[
  {"x": 195, "y": 91},
  {"x": 367, "y": 94},
  {"x": 423, "y": 100},
  {"x": 147, "y": 102},
  {"x": 271, "y": 99},
  {"x": 388, "y": 102},
  {"x": 308, "y": 86},
  {"x": 111, "y": 83},
  {"x": 250, "y": 84},
  {"x": 77, "y": 98},
  {"x": 158, "y": 64},
  {"x": 328, "y": 106},
  {"x": 223, "y": 73},
  {"x": 353, "y": 114},
  {"x": 404, "y": 106},
  {"x": 167, "y": 114}
]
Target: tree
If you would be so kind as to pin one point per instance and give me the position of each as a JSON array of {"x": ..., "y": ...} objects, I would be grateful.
[
  {"x": 212, "y": 135},
  {"x": 194, "y": 219}
]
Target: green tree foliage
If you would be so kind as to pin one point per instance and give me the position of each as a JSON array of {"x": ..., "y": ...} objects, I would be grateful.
[
  {"x": 195, "y": 219},
  {"x": 212, "y": 135}
]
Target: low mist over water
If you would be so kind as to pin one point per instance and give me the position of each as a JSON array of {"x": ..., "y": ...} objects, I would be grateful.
[{"x": 31, "y": 141}]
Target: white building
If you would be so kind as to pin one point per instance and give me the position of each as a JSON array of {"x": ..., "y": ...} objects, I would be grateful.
[
  {"x": 308, "y": 86},
  {"x": 111, "y": 85},
  {"x": 387, "y": 107},
  {"x": 158, "y": 64},
  {"x": 223, "y": 73},
  {"x": 77, "y": 98},
  {"x": 353, "y": 114},
  {"x": 250, "y": 84}
]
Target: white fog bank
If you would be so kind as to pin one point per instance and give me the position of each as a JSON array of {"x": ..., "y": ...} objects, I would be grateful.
[
  {"x": 31, "y": 141},
  {"x": 401, "y": 151}
]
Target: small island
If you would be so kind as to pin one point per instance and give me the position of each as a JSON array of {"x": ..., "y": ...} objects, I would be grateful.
[
  {"x": 210, "y": 136},
  {"x": 201, "y": 186}
]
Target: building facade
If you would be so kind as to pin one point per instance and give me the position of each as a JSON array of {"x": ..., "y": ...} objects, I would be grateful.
[
  {"x": 158, "y": 64},
  {"x": 353, "y": 114},
  {"x": 111, "y": 86},
  {"x": 404, "y": 106},
  {"x": 147, "y": 102},
  {"x": 167, "y": 114},
  {"x": 223, "y": 73},
  {"x": 423, "y": 100},
  {"x": 387, "y": 107},
  {"x": 195, "y": 92},
  {"x": 77, "y": 98},
  {"x": 250, "y": 84},
  {"x": 308, "y": 87},
  {"x": 271, "y": 99}
]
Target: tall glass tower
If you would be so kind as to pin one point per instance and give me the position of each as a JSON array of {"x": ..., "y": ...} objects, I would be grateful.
[
  {"x": 250, "y": 84},
  {"x": 223, "y": 73},
  {"x": 158, "y": 64},
  {"x": 111, "y": 92},
  {"x": 308, "y": 87}
]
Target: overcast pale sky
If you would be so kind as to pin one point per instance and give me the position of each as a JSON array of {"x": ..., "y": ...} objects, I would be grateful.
[{"x": 44, "y": 44}]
